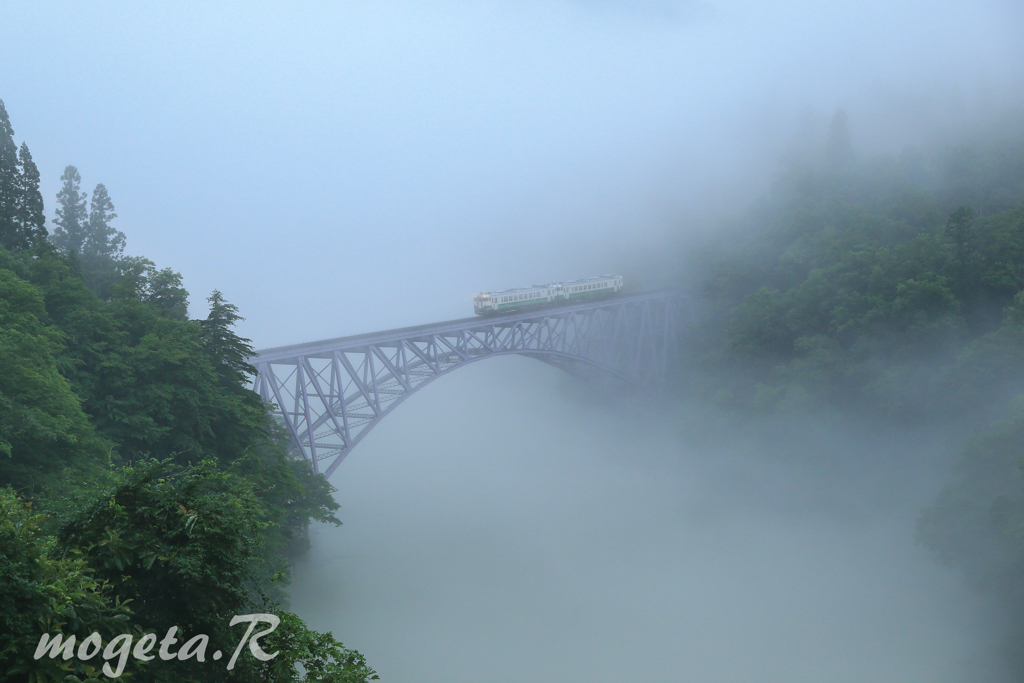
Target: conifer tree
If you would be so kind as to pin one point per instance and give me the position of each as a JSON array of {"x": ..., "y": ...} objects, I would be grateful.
[
  {"x": 9, "y": 183},
  {"x": 960, "y": 233},
  {"x": 228, "y": 351},
  {"x": 71, "y": 219},
  {"x": 102, "y": 241},
  {"x": 30, "y": 217}
]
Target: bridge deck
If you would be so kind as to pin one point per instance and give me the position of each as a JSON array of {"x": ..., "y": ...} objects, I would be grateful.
[{"x": 282, "y": 353}]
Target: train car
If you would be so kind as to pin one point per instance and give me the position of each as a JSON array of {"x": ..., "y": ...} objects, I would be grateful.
[
  {"x": 592, "y": 288},
  {"x": 539, "y": 296}
]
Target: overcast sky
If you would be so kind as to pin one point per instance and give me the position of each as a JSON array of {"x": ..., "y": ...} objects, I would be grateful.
[{"x": 337, "y": 168}]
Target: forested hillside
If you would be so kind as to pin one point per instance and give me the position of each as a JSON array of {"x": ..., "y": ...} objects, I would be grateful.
[
  {"x": 889, "y": 290},
  {"x": 142, "y": 485}
]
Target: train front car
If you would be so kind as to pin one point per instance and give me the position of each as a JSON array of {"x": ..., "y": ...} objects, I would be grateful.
[
  {"x": 513, "y": 300},
  {"x": 483, "y": 304}
]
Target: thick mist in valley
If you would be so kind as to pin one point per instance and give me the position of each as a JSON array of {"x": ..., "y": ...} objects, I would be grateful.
[{"x": 620, "y": 542}]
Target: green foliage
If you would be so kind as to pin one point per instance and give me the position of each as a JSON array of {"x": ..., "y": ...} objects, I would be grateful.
[
  {"x": 172, "y": 499},
  {"x": 41, "y": 594},
  {"x": 893, "y": 288},
  {"x": 227, "y": 351},
  {"x": 9, "y": 182},
  {"x": 321, "y": 656},
  {"x": 71, "y": 215},
  {"x": 146, "y": 547},
  {"x": 42, "y": 426},
  {"x": 31, "y": 222},
  {"x": 22, "y": 223},
  {"x": 851, "y": 288},
  {"x": 157, "y": 532},
  {"x": 102, "y": 245}
]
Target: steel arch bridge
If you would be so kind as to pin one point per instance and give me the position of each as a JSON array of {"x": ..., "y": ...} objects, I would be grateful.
[{"x": 331, "y": 393}]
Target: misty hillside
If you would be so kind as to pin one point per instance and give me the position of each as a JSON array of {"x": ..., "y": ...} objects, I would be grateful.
[
  {"x": 893, "y": 285},
  {"x": 889, "y": 290}
]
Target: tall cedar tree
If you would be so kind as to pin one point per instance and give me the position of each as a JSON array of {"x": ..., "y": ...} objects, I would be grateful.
[
  {"x": 71, "y": 215},
  {"x": 29, "y": 209},
  {"x": 101, "y": 241},
  {"x": 10, "y": 183}
]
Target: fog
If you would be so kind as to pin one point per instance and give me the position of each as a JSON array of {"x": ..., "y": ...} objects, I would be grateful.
[
  {"x": 338, "y": 168},
  {"x": 616, "y": 543},
  {"x": 341, "y": 168}
]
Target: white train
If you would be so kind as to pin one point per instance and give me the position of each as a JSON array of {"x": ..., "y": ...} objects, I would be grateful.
[{"x": 524, "y": 298}]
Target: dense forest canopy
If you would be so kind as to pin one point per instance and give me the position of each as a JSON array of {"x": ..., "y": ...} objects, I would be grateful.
[
  {"x": 136, "y": 467},
  {"x": 888, "y": 284}
]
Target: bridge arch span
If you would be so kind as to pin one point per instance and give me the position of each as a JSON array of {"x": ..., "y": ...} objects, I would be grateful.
[{"x": 330, "y": 394}]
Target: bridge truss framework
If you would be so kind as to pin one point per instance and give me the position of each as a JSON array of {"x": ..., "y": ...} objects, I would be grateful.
[{"x": 331, "y": 394}]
